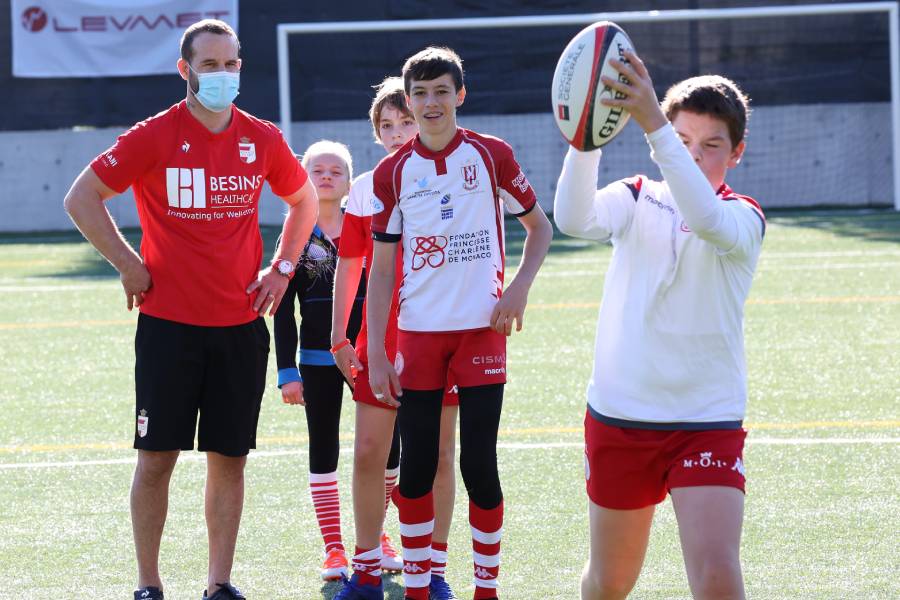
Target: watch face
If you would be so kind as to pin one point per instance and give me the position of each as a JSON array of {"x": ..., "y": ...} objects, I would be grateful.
[{"x": 284, "y": 267}]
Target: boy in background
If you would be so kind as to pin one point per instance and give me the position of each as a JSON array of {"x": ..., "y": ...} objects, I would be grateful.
[
  {"x": 443, "y": 194},
  {"x": 376, "y": 449}
]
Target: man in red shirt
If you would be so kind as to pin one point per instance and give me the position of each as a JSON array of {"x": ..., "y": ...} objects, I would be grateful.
[{"x": 201, "y": 346}]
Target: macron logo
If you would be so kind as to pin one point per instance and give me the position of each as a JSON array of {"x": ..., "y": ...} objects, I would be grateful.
[{"x": 186, "y": 188}]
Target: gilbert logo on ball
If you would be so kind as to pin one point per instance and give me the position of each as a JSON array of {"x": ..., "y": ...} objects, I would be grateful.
[{"x": 577, "y": 90}]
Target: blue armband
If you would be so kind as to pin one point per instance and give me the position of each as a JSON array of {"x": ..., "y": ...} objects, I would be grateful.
[{"x": 288, "y": 375}]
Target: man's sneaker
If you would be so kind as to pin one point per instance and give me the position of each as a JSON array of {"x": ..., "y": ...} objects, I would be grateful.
[
  {"x": 390, "y": 558},
  {"x": 335, "y": 565},
  {"x": 148, "y": 593},
  {"x": 226, "y": 591},
  {"x": 353, "y": 590},
  {"x": 439, "y": 589}
]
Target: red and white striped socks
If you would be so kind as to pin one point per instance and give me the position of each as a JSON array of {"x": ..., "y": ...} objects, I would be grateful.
[
  {"x": 390, "y": 480},
  {"x": 367, "y": 565},
  {"x": 438, "y": 558},
  {"x": 416, "y": 527},
  {"x": 487, "y": 529},
  {"x": 324, "y": 490}
]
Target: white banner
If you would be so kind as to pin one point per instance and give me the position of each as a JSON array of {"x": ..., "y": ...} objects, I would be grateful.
[{"x": 105, "y": 38}]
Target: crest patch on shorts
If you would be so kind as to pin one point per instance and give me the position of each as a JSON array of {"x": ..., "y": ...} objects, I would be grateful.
[{"x": 143, "y": 423}]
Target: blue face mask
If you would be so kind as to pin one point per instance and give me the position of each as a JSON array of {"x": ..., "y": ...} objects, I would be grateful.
[{"x": 217, "y": 90}]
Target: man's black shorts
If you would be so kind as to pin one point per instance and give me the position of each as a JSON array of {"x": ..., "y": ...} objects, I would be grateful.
[{"x": 182, "y": 370}]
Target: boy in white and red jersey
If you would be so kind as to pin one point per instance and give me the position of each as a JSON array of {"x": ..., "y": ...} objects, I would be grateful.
[
  {"x": 201, "y": 346},
  {"x": 376, "y": 450},
  {"x": 667, "y": 396},
  {"x": 443, "y": 194}
]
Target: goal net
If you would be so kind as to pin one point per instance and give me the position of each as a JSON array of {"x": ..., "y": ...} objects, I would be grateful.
[{"x": 823, "y": 81}]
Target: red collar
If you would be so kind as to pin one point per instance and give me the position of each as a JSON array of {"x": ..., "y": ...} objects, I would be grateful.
[{"x": 424, "y": 152}]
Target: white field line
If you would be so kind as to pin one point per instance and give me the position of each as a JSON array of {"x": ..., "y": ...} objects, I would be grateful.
[
  {"x": 56, "y": 288},
  {"x": 13, "y": 285},
  {"x": 765, "y": 256},
  {"x": 763, "y": 268},
  {"x": 197, "y": 456},
  {"x": 600, "y": 268}
]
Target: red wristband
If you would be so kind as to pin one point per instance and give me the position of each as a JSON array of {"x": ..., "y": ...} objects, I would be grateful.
[{"x": 340, "y": 345}]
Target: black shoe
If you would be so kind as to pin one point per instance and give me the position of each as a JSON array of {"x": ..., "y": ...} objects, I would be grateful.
[
  {"x": 148, "y": 593},
  {"x": 226, "y": 591}
]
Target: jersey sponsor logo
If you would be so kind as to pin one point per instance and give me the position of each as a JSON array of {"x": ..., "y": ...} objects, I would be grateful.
[
  {"x": 521, "y": 182},
  {"x": 109, "y": 160},
  {"x": 186, "y": 188},
  {"x": 423, "y": 193},
  {"x": 427, "y": 250},
  {"x": 707, "y": 461},
  {"x": 499, "y": 371},
  {"x": 185, "y": 146},
  {"x": 422, "y": 182},
  {"x": 446, "y": 210},
  {"x": 470, "y": 176},
  {"x": 376, "y": 204},
  {"x": 143, "y": 423},
  {"x": 470, "y": 246},
  {"x": 247, "y": 151},
  {"x": 398, "y": 363}
]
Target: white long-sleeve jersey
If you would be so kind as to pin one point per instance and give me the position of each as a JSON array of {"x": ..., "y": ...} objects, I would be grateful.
[{"x": 670, "y": 346}]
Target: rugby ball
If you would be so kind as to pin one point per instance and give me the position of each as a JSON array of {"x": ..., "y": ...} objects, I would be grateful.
[{"x": 577, "y": 90}]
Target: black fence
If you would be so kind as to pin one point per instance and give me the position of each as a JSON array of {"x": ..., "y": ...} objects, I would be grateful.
[{"x": 798, "y": 60}]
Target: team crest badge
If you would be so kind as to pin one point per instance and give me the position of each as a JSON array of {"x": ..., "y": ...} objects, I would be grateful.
[
  {"x": 398, "y": 363},
  {"x": 247, "y": 150},
  {"x": 143, "y": 422},
  {"x": 470, "y": 177}
]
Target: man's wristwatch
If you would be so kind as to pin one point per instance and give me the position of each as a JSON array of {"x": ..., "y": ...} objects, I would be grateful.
[{"x": 283, "y": 267}]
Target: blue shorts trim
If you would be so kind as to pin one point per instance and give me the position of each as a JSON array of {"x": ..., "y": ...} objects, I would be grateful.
[{"x": 315, "y": 358}]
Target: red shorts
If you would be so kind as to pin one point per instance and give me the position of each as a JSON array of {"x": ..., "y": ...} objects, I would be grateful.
[
  {"x": 627, "y": 468},
  {"x": 363, "y": 393},
  {"x": 426, "y": 361}
]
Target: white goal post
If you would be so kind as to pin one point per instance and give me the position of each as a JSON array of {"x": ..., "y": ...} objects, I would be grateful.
[{"x": 889, "y": 8}]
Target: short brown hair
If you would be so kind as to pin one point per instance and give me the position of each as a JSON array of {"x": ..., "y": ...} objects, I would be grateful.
[
  {"x": 431, "y": 63},
  {"x": 712, "y": 95},
  {"x": 205, "y": 26},
  {"x": 387, "y": 93}
]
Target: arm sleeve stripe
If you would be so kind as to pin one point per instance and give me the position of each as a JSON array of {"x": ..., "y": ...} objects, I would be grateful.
[
  {"x": 754, "y": 208},
  {"x": 525, "y": 212},
  {"x": 386, "y": 237}
]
